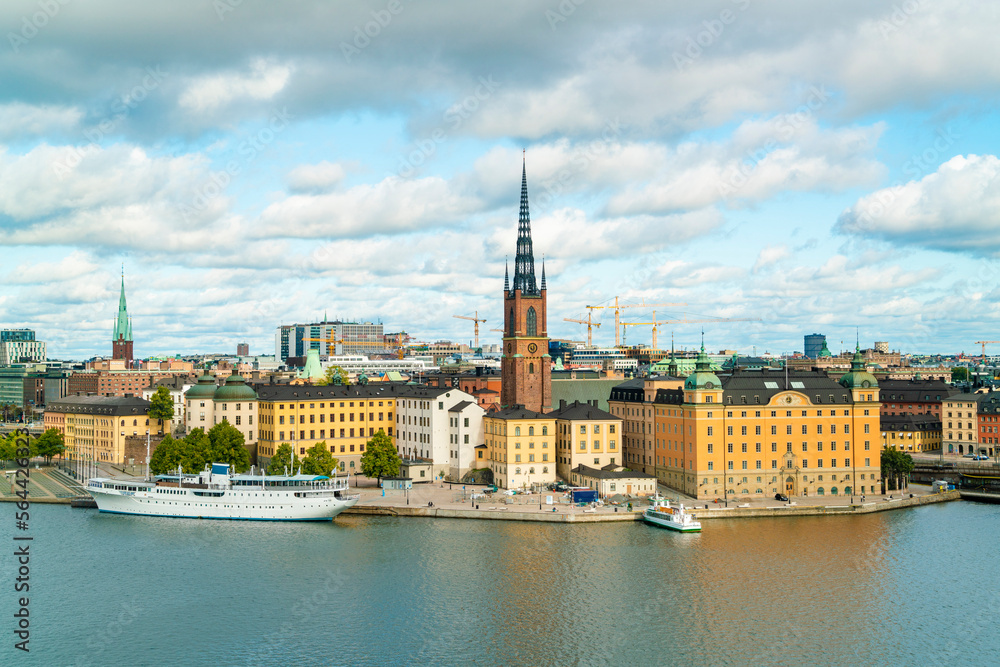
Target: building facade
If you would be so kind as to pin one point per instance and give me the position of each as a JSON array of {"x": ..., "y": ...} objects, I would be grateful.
[
  {"x": 613, "y": 480},
  {"x": 177, "y": 386},
  {"x": 18, "y": 346},
  {"x": 959, "y": 416},
  {"x": 95, "y": 428},
  {"x": 914, "y": 396},
  {"x": 988, "y": 419},
  {"x": 526, "y": 369},
  {"x": 586, "y": 435},
  {"x": 911, "y": 433},
  {"x": 633, "y": 401},
  {"x": 520, "y": 447},
  {"x": 757, "y": 433},
  {"x": 344, "y": 417},
  {"x": 438, "y": 424},
  {"x": 329, "y": 339}
]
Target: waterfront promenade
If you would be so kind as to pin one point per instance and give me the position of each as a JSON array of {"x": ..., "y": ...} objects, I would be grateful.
[{"x": 444, "y": 500}]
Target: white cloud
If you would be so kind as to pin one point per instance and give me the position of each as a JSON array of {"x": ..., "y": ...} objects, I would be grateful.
[
  {"x": 770, "y": 255},
  {"x": 314, "y": 178},
  {"x": 957, "y": 208},
  {"x": 18, "y": 119},
  {"x": 212, "y": 92}
]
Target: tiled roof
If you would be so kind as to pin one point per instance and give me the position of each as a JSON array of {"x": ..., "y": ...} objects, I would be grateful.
[
  {"x": 577, "y": 410},
  {"x": 610, "y": 474}
]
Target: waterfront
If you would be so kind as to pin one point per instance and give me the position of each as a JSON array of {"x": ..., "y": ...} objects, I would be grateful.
[{"x": 906, "y": 586}]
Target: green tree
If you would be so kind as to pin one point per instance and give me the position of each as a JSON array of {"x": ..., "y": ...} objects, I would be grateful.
[
  {"x": 167, "y": 456},
  {"x": 959, "y": 374},
  {"x": 49, "y": 444},
  {"x": 8, "y": 448},
  {"x": 318, "y": 460},
  {"x": 226, "y": 446},
  {"x": 195, "y": 450},
  {"x": 282, "y": 460},
  {"x": 335, "y": 375},
  {"x": 380, "y": 458},
  {"x": 161, "y": 406},
  {"x": 895, "y": 467}
]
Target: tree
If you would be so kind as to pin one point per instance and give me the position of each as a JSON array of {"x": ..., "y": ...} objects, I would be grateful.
[
  {"x": 161, "y": 405},
  {"x": 226, "y": 446},
  {"x": 281, "y": 461},
  {"x": 318, "y": 460},
  {"x": 335, "y": 375},
  {"x": 959, "y": 374},
  {"x": 167, "y": 456},
  {"x": 380, "y": 458},
  {"x": 895, "y": 467},
  {"x": 49, "y": 444},
  {"x": 8, "y": 447}
]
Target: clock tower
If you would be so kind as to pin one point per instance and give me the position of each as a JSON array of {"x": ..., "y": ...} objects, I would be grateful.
[{"x": 526, "y": 369}]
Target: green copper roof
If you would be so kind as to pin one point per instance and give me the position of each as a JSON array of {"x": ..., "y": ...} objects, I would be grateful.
[
  {"x": 235, "y": 389},
  {"x": 204, "y": 389},
  {"x": 123, "y": 325},
  {"x": 703, "y": 377},
  {"x": 858, "y": 377}
]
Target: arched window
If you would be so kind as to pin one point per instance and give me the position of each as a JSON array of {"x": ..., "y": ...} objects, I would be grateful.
[
  {"x": 531, "y": 430},
  {"x": 545, "y": 469},
  {"x": 517, "y": 430},
  {"x": 510, "y": 322},
  {"x": 819, "y": 491},
  {"x": 530, "y": 323},
  {"x": 135, "y": 422},
  {"x": 833, "y": 491},
  {"x": 545, "y": 430},
  {"x": 517, "y": 471},
  {"x": 531, "y": 471},
  {"x": 531, "y": 368}
]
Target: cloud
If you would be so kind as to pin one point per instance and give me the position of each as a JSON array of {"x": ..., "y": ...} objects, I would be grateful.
[
  {"x": 393, "y": 205},
  {"x": 212, "y": 92},
  {"x": 956, "y": 209},
  {"x": 315, "y": 178},
  {"x": 770, "y": 255},
  {"x": 18, "y": 119}
]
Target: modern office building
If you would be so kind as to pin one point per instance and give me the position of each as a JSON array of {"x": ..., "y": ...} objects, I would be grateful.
[
  {"x": 18, "y": 346},
  {"x": 329, "y": 338}
]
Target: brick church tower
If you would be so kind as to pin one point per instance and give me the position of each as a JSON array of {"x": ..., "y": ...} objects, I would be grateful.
[
  {"x": 121, "y": 342},
  {"x": 526, "y": 370}
]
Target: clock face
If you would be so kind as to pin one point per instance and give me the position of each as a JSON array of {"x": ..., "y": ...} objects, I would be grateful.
[{"x": 532, "y": 348}]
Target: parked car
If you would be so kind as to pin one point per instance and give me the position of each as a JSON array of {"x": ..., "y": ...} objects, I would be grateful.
[
  {"x": 981, "y": 457},
  {"x": 781, "y": 496},
  {"x": 968, "y": 456}
]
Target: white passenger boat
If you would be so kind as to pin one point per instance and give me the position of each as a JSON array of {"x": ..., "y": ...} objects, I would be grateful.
[
  {"x": 674, "y": 518},
  {"x": 215, "y": 494}
]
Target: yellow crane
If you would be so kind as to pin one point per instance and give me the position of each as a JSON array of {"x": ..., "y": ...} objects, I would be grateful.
[
  {"x": 328, "y": 342},
  {"x": 476, "y": 319},
  {"x": 590, "y": 323},
  {"x": 618, "y": 307},
  {"x": 655, "y": 323},
  {"x": 984, "y": 343}
]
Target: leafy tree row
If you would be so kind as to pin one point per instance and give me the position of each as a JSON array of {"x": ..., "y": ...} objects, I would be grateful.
[
  {"x": 48, "y": 444},
  {"x": 222, "y": 444},
  {"x": 318, "y": 461}
]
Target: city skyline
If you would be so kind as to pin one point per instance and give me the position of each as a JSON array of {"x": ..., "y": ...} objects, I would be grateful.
[{"x": 824, "y": 169}]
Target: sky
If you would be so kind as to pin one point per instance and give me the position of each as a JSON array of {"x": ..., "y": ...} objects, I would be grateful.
[{"x": 810, "y": 167}]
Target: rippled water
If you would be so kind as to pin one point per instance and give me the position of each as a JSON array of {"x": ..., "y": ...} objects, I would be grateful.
[{"x": 916, "y": 586}]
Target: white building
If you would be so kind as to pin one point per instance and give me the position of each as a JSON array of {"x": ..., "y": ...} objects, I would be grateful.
[
  {"x": 443, "y": 425},
  {"x": 207, "y": 405},
  {"x": 19, "y": 346}
]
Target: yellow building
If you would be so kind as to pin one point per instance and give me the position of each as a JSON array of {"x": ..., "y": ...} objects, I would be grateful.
[
  {"x": 95, "y": 427},
  {"x": 758, "y": 433},
  {"x": 521, "y": 447},
  {"x": 586, "y": 435},
  {"x": 632, "y": 402},
  {"x": 344, "y": 417},
  {"x": 959, "y": 423},
  {"x": 911, "y": 433}
]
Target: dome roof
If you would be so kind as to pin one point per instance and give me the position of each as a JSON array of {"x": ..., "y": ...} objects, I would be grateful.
[
  {"x": 703, "y": 377},
  {"x": 858, "y": 378},
  {"x": 235, "y": 389},
  {"x": 204, "y": 389}
]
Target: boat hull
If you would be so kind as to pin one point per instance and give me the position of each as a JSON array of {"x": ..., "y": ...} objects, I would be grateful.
[
  {"x": 241, "y": 505},
  {"x": 664, "y": 522}
]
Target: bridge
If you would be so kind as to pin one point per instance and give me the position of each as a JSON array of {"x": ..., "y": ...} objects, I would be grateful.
[{"x": 973, "y": 481}]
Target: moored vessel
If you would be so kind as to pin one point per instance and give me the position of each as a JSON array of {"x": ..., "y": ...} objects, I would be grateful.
[
  {"x": 216, "y": 494},
  {"x": 675, "y": 518}
]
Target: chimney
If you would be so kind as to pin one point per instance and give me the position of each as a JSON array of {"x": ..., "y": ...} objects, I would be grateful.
[{"x": 562, "y": 403}]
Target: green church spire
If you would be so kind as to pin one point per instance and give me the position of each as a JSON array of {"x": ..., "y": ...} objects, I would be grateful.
[{"x": 123, "y": 324}]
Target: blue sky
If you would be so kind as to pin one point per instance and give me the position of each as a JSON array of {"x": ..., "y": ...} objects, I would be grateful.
[{"x": 821, "y": 168}]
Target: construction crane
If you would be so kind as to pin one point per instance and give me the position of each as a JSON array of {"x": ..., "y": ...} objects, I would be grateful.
[
  {"x": 328, "y": 341},
  {"x": 618, "y": 306},
  {"x": 655, "y": 323},
  {"x": 589, "y": 323},
  {"x": 984, "y": 343},
  {"x": 476, "y": 319}
]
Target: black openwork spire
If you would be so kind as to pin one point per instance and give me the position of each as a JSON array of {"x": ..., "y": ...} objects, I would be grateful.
[
  {"x": 524, "y": 262},
  {"x": 506, "y": 280},
  {"x": 543, "y": 271}
]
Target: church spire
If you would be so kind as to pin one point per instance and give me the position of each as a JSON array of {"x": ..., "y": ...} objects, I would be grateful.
[
  {"x": 506, "y": 280},
  {"x": 123, "y": 326},
  {"x": 543, "y": 271},
  {"x": 524, "y": 262}
]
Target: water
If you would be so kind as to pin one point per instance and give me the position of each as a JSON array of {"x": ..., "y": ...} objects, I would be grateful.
[{"x": 914, "y": 586}]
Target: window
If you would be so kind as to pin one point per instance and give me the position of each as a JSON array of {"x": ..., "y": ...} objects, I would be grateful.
[
  {"x": 709, "y": 432},
  {"x": 805, "y": 429},
  {"x": 517, "y": 430},
  {"x": 583, "y": 429},
  {"x": 545, "y": 429},
  {"x": 531, "y": 322},
  {"x": 743, "y": 430},
  {"x": 531, "y": 430}
]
